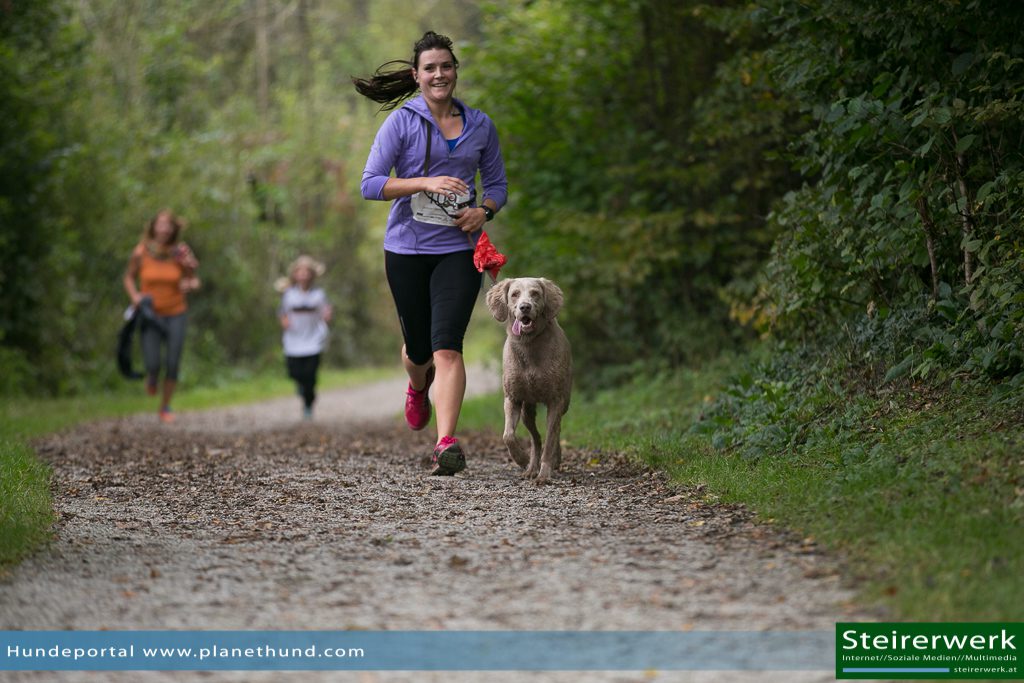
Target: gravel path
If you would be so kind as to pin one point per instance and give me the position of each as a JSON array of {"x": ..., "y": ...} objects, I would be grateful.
[{"x": 248, "y": 519}]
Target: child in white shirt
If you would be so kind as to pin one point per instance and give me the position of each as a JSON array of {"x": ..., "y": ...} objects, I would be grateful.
[{"x": 304, "y": 314}]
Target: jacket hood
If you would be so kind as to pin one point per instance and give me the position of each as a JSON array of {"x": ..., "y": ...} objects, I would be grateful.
[{"x": 419, "y": 106}]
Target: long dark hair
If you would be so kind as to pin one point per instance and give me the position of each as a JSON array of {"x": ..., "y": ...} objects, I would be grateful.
[{"x": 390, "y": 86}]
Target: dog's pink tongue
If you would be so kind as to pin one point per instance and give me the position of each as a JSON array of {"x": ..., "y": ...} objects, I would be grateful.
[{"x": 517, "y": 327}]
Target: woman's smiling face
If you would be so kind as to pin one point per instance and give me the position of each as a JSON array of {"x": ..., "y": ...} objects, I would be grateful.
[
  {"x": 163, "y": 229},
  {"x": 436, "y": 74}
]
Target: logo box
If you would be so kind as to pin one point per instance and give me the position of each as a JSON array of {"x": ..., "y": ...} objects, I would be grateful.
[{"x": 929, "y": 650}]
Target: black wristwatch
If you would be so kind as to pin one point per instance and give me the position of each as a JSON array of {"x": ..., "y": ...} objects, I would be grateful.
[{"x": 488, "y": 212}]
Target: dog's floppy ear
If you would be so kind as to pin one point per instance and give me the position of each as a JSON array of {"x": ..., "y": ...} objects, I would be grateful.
[
  {"x": 552, "y": 298},
  {"x": 497, "y": 300}
]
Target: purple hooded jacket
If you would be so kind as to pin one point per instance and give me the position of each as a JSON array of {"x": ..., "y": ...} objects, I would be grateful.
[{"x": 401, "y": 145}]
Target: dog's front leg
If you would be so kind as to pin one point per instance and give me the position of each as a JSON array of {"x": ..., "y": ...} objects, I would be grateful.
[
  {"x": 515, "y": 449},
  {"x": 551, "y": 456},
  {"x": 530, "y": 420}
]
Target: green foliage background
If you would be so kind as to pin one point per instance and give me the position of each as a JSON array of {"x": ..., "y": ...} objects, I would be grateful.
[
  {"x": 632, "y": 189},
  {"x": 839, "y": 174},
  {"x": 844, "y": 174},
  {"x": 237, "y": 115}
]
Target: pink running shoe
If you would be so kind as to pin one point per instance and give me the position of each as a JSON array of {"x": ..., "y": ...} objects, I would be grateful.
[
  {"x": 417, "y": 404},
  {"x": 448, "y": 458}
]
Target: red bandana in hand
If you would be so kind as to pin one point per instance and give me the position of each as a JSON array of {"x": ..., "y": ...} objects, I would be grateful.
[{"x": 487, "y": 257}]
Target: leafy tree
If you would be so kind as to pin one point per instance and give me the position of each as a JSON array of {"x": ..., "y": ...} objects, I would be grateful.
[
  {"x": 40, "y": 260},
  {"x": 828, "y": 170},
  {"x": 636, "y": 137},
  {"x": 911, "y": 210},
  {"x": 239, "y": 116}
]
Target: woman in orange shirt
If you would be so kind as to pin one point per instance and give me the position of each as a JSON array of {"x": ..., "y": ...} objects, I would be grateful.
[{"x": 165, "y": 268}]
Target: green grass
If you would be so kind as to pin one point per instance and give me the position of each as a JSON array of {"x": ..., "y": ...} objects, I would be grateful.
[
  {"x": 26, "y": 508},
  {"x": 921, "y": 495}
]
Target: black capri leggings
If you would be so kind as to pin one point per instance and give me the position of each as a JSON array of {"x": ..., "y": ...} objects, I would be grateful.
[
  {"x": 173, "y": 336},
  {"x": 434, "y": 295}
]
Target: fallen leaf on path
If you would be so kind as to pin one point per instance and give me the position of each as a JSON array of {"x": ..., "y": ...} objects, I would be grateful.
[{"x": 456, "y": 561}]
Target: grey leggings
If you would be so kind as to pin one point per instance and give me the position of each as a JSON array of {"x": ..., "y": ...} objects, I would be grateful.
[{"x": 153, "y": 337}]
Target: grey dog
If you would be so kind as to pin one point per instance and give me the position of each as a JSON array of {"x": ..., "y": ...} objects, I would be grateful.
[{"x": 536, "y": 368}]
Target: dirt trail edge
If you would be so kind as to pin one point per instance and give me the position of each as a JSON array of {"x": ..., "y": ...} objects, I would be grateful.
[{"x": 249, "y": 519}]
